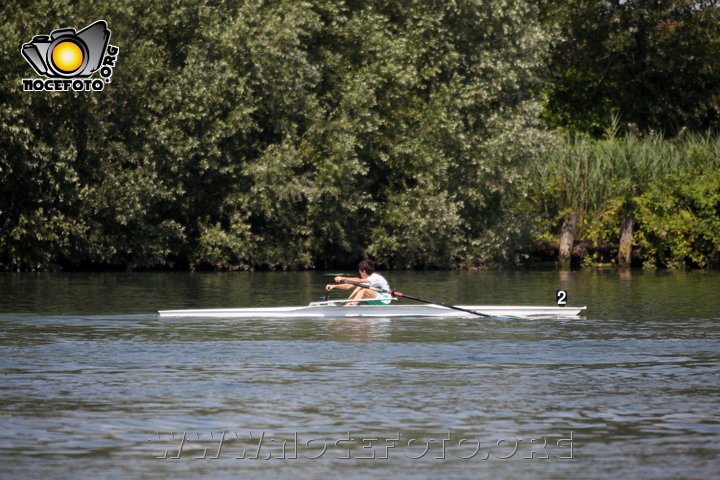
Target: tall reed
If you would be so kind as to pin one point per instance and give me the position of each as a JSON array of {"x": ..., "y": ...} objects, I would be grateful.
[{"x": 600, "y": 180}]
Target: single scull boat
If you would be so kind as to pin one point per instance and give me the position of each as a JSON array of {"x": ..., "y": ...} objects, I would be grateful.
[{"x": 338, "y": 309}]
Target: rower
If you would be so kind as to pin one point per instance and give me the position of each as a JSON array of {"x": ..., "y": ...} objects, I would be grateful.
[{"x": 366, "y": 268}]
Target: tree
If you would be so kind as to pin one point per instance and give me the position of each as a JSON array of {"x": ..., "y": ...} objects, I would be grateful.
[
  {"x": 277, "y": 134},
  {"x": 653, "y": 63}
]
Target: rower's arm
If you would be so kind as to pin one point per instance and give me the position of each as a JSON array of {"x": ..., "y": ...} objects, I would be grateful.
[{"x": 339, "y": 279}]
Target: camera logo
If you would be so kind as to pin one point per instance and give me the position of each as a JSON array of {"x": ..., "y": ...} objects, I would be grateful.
[{"x": 68, "y": 59}]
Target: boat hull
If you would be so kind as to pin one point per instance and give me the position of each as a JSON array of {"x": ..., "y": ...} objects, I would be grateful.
[{"x": 329, "y": 310}]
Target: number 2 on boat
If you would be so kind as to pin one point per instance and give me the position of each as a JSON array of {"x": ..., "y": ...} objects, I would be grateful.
[{"x": 561, "y": 297}]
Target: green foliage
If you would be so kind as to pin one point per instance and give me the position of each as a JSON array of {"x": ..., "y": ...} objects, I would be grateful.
[
  {"x": 286, "y": 134},
  {"x": 274, "y": 134},
  {"x": 669, "y": 185},
  {"x": 653, "y": 63},
  {"x": 417, "y": 228},
  {"x": 680, "y": 220}
]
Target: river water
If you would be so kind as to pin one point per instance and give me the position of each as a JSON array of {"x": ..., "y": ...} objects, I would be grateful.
[{"x": 94, "y": 385}]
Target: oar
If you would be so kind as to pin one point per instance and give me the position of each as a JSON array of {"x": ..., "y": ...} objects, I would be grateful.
[{"x": 395, "y": 293}]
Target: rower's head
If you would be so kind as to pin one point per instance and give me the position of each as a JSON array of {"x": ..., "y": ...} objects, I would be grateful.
[{"x": 366, "y": 267}]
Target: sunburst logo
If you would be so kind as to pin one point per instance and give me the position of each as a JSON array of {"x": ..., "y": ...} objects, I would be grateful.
[{"x": 68, "y": 59}]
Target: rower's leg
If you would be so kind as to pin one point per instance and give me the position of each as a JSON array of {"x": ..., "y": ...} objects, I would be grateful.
[
  {"x": 354, "y": 295},
  {"x": 361, "y": 294}
]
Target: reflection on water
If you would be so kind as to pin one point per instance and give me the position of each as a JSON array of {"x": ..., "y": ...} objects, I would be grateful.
[
  {"x": 358, "y": 329},
  {"x": 94, "y": 382}
]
